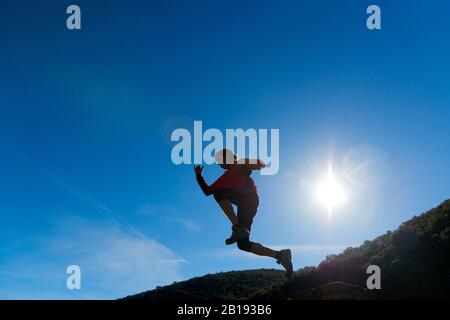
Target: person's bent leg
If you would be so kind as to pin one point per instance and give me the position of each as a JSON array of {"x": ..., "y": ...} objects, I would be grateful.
[
  {"x": 224, "y": 202},
  {"x": 228, "y": 209}
]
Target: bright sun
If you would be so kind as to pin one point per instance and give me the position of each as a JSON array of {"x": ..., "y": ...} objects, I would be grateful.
[{"x": 329, "y": 192}]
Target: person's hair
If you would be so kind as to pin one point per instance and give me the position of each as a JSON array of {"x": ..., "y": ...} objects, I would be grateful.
[{"x": 225, "y": 156}]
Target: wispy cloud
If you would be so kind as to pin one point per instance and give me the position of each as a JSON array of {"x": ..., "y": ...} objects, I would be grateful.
[
  {"x": 155, "y": 210},
  {"x": 81, "y": 196},
  {"x": 168, "y": 214},
  {"x": 113, "y": 261},
  {"x": 189, "y": 225}
]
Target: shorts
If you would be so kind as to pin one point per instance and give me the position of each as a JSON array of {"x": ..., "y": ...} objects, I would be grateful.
[{"x": 247, "y": 203}]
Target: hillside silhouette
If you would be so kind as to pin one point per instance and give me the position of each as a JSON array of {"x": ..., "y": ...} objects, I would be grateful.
[
  {"x": 220, "y": 286},
  {"x": 414, "y": 262}
]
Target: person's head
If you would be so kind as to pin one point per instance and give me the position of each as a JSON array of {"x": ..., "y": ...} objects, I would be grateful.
[{"x": 225, "y": 158}]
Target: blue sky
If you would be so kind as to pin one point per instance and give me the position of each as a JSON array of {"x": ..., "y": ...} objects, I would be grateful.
[{"x": 86, "y": 176}]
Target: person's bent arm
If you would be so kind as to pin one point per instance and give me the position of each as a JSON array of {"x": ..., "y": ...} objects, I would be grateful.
[
  {"x": 251, "y": 164},
  {"x": 201, "y": 181}
]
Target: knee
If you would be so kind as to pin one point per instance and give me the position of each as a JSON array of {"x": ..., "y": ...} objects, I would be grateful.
[{"x": 244, "y": 245}]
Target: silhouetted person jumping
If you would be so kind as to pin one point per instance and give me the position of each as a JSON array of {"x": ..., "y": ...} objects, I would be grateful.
[{"x": 236, "y": 187}]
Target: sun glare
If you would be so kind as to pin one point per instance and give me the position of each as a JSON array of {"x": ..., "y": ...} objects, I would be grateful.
[{"x": 329, "y": 192}]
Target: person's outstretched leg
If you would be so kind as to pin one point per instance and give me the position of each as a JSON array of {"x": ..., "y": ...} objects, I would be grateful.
[
  {"x": 283, "y": 257},
  {"x": 260, "y": 250},
  {"x": 247, "y": 209}
]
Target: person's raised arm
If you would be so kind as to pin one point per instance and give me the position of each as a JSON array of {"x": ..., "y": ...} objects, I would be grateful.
[{"x": 201, "y": 181}]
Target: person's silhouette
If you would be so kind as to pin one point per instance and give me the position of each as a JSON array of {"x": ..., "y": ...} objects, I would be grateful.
[{"x": 236, "y": 187}]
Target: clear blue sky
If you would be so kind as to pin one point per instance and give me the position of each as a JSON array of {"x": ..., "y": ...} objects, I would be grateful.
[{"x": 86, "y": 176}]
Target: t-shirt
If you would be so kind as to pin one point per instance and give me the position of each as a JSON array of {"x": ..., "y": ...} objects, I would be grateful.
[{"x": 236, "y": 177}]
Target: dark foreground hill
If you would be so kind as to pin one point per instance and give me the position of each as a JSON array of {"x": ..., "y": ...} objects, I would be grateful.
[
  {"x": 414, "y": 262},
  {"x": 223, "y": 285}
]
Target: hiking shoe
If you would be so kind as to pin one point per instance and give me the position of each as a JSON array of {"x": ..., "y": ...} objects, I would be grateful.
[
  {"x": 239, "y": 233},
  {"x": 284, "y": 258}
]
